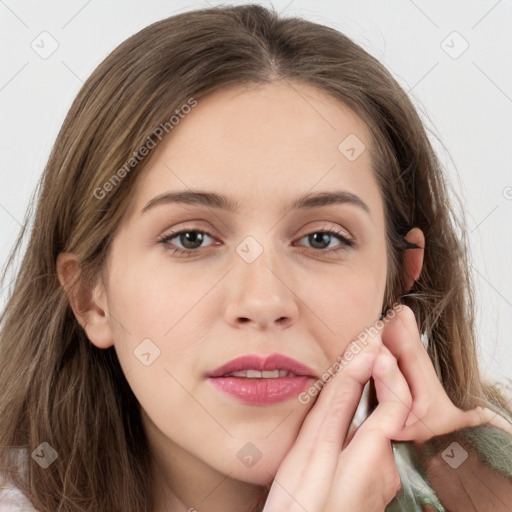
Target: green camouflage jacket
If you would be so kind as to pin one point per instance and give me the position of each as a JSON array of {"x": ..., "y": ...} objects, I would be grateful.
[{"x": 491, "y": 445}]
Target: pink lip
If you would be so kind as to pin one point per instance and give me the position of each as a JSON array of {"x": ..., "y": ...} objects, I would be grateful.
[
  {"x": 263, "y": 363},
  {"x": 262, "y": 391}
]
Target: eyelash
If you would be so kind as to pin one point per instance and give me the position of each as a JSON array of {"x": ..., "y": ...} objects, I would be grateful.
[{"x": 165, "y": 240}]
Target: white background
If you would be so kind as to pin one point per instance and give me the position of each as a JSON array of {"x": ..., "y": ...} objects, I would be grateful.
[{"x": 466, "y": 103}]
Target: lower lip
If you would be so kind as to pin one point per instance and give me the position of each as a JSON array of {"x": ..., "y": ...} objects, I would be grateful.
[{"x": 261, "y": 391}]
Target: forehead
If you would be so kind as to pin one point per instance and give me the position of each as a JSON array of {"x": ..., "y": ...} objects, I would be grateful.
[{"x": 280, "y": 138}]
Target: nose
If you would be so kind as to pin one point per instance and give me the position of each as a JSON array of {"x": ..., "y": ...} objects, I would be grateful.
[{"x": 261, "y": 293}]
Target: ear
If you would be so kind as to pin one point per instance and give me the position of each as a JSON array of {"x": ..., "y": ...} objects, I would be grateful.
[
  {"x": 88, "y": 303},
  {"x": 413, "y": 256}
]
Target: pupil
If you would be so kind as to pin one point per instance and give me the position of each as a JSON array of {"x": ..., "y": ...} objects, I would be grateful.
[
  {"x": 191, "y": 236},
  {"x": 322, "y": 238}
]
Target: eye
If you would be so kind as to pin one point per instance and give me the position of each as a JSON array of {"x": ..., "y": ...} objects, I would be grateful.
[
  {"x": 321, "y": 239},
  {"x": 190, "y": 239}
]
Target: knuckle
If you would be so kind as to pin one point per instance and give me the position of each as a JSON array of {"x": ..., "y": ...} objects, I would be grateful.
[
  {"x": 397, "y": 482},
  {"x": 391, "y": 484},
  {"x": 393, "y": 487},
  {"x": 371, "y": 432},
  {"x": 421, "y": 407},
  {"x": 405, "y": 312},
  {"x": 358, "y": 367},
  {"x": 340, "y": 398},
  {"x": 384, "y": 363}
]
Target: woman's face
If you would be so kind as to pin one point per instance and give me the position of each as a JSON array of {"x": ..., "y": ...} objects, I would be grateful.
[{"x": 256, "y": 283}]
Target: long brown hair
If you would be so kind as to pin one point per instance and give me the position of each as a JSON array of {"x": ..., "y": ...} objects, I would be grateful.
[{"x": 56, "y": 386}]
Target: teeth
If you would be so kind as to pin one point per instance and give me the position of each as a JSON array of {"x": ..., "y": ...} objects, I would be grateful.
[{"x": 256, "y": 374}]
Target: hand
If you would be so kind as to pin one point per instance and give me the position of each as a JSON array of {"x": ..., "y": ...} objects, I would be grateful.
[
  {"x": 433, "y": 413},
  {"x": 314, "y": 475},
  {"x": 319, "y": 476}
]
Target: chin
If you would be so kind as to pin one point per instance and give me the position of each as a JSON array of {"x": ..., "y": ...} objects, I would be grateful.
[
  {"x": 254, "y": 466},
  {"x": 262, "y": 476}
]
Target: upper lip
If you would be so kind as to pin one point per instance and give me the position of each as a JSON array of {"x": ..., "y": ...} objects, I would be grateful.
[{"x": 263, "y": 363}]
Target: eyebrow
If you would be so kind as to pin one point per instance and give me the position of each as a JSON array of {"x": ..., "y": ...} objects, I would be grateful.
[{"x": 219, "y": 201}]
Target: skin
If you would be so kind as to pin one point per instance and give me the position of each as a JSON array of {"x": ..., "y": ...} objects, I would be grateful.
[{"x": 263, "y": 147}]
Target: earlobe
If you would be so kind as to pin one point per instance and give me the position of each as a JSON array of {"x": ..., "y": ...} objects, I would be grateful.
[
  {"x": 88, "y": 303},
  {"x": 413, "y": 257}
]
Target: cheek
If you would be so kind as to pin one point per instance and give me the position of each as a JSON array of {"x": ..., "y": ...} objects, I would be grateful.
[
  {"x": 153, "y": 299},
  {"x": 159, "y": 311},
  {"x": 345, "y": 302}
]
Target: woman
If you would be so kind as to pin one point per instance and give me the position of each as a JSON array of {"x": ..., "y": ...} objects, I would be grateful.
[{"x": 179, "y": 336}]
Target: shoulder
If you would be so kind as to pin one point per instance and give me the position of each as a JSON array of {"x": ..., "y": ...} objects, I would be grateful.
[
  {"x": 12, "y": 500},
  {"x": 471, "y": 469}
]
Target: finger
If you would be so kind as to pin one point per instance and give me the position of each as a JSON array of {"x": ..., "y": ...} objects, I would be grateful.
[
  {"x": 402, "y": 338},
  {"x": 393, "y": 394},
  {"x": 366, "y": 477},
  {"x": 308, "y": 469},
  {"x": 371, "y": 448}
]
